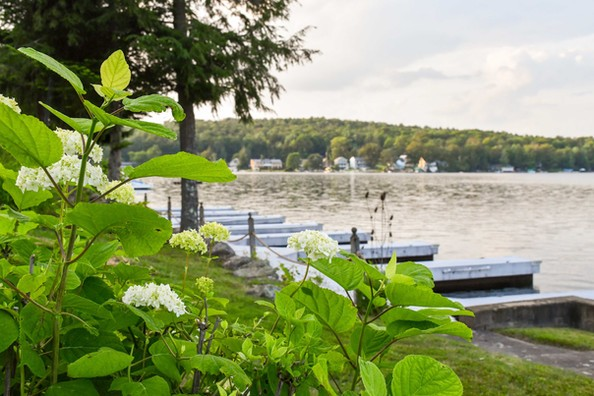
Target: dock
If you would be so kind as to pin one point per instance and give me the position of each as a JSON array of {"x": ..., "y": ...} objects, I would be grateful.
[{"x": 270, "y": 234}]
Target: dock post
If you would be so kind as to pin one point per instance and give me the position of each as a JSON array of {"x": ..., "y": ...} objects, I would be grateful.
[
  {"x": 145, "y": 198},
  {"x": 355, "y": 241},
  {"x": 169, "y": 208},
  {"x": 201, "y": 219},
  {"x": 252, "y": 235}
]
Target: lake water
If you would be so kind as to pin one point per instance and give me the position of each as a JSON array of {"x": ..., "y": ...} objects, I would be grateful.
[{"x": 548, "y": 217}]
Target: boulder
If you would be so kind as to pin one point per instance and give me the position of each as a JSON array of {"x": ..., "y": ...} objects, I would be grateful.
[
  {"x": 266, "y": 291},
  {"x": 223, "y": 251},
  {"x": 256, "y": 269},
  {"x": 235, "y": 262}
]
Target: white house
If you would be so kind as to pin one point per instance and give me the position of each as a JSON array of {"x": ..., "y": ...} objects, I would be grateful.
[
  {"x": 341, "y": 163},
  {"x": 357, "y": 163},
  {"x": 266, "y": 164}
]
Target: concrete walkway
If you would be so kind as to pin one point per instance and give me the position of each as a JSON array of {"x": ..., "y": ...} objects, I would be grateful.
[{"x": 578, "y": 361}]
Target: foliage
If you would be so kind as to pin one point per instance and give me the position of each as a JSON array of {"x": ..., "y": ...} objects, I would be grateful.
[
  {"x": 72, "y": 323},
  {"x": 455, "y": 150},
  {"x": 293, "y": 162},
  {"x": 562, "y": 337}
]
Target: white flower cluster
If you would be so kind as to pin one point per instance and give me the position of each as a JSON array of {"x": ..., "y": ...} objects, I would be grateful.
[
  {"x": 67, "y": 169},
  {"x": 315, "y": 244},
  {"x": 215, "y": 232},
  {"x": 190, "y": 241},
  {"x": 155, "y": 296},
  {"x": 74, "y": 144},
  {"x": 10, "y": 102},
  {"x": 123, "y": 194}
]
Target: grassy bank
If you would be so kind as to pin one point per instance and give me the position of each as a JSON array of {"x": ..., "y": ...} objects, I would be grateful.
[
  {"x": 579, "y": 340},
  {"x": 481, "y": 372}
]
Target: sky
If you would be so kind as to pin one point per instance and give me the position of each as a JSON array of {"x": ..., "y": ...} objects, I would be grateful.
[{"x": 523, "y": 66}]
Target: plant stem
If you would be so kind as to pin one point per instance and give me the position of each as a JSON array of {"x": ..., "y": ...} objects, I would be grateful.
[
  {"x": 291, "y": 295},
  {"x": 186, "y": 271}
]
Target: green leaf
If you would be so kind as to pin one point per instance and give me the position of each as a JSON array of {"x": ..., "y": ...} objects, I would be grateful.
[
  {"x": 36, "y": 324},
  {"x": 186, "y": 165},
  {"x": 32, "y": 359},
  {"x": 372, "y": 378},
  {"x": 150, "y": 127},
  {"x": 56, "y": 67},
  {"x": 81, "y": 305},
  {"x": 27, "y": 139},
  {"x": 100, "y": 252},
  {"x": 152, "y": 323},
  {"x": 374, "y": 339},
  {"x": 402, "y": 329},
  {"x": 9, "y": 330},
  {"x": 153, "y": 386},
  {"x": 344, "y": 272},
  {"x": 320, "y": 370},
  {"x": 140, "y": 230},
  {"x": 421, "y": 274},
  {"x": 214, "y": 364},
  {"x": 333, "y": 310},
  {"x": 391, "y": 267},
  {"x": 110, "y": 94},
  {"x": 23, "y": 200},
  {"x": 72, "y": 388},
  {"x": 415, "y": 295},
  {"x": 422, "y": 375},
  {"x": 115, "y": 72},
  {"x": 80, "y": 342},
  {"x": 126, "y": 273},
  {"x": 155, "y": 103},
  {"x": 82, "y": 125},
  {"x": 164, "y": 361},
  {"x": 104, "y": 362}
]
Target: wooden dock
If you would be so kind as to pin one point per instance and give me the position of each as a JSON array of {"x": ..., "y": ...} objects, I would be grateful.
[{"x": 271, "y": 231}]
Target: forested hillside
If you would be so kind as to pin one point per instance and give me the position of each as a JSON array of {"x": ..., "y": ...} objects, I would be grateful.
[{"x": 377, "y": 143}]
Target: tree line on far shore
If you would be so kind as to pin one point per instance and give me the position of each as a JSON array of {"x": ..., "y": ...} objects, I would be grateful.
[{"x": 378, "y": 144}]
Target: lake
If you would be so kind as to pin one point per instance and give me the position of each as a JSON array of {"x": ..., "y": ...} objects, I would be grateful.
[{"x": 543, "y": 216}]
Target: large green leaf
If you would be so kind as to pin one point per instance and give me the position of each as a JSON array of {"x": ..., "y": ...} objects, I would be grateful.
[
  {"x": 9, "y": 330},
  {"x": 104, "y": 362},
  {"x": 115, "y": 72},
  {"x": 320, "y": 370},
  {"x": 72, "y": 388},
  {"x": 165, "y": 362},
  {"x": 401, "y": 294},
  {"x": 31, "y": 359},
  {"x": 56, "y": 67},
  {"x": 423, "y": 375},
  {"x": 140, "y": 230},
  {"x": 29, "y": 140},
  {"x": 344, "y": 272},
  {"x": 150, "y": 127},
  {"x": 214, "y": 364},
  {"x": 156, "y": 103},
  {"x": 85, "y": 307},
  {"x": 185, "y": 165},
  {"x": 153, "y": 386},
  {"x": 372, "y": 378},
  {"x": 82, "y": 125},
  {"x": 403, "y": 329},
  {"x": 421, "y": 274},
  {"x": 375, "y": 338},
  {"x": 333, "y": 310}
]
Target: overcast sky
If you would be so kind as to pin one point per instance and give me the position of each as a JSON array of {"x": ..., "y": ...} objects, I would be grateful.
[{"x": 522, "y": 66}]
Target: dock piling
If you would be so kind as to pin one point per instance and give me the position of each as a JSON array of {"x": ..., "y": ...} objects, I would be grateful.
[
  {"x": 169, "y": 208},
  {"x": 355, "y": 241},
  {"x": 201, "y": 219},
  {"x": 252, "y": 235}
]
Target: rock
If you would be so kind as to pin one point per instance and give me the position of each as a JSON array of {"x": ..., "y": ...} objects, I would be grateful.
[
  {"x": 256, "y": 269},
  {"x": 223, "y": 251},
  {"x": 235, "y": 262},
  {"x": 266, "y": 291}
]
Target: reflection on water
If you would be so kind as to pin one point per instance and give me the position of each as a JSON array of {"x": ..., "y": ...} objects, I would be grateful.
[{"x": 540, "y": 216}]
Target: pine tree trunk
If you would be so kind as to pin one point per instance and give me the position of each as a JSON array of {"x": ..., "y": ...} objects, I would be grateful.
[{"x": 187, "y": 128}]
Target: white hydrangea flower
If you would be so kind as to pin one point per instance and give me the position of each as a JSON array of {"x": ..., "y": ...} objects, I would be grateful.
[
  {"x": 65, "y": 171},
  {"x": 215, "y": 232},
  {"x": 315, "y": 244},
  {"x": 74, "y": 143},
  {"x": 190, "y": 241},
  {"x": 123, "y": 194},
  {"x": 10, "y": 102},
  {"x": 155, "y": 296}
]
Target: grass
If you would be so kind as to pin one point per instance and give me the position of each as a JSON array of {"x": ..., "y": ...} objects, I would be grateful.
[
  {"x": 481, "y": 372},
  {"x": 564, "y": 337}
]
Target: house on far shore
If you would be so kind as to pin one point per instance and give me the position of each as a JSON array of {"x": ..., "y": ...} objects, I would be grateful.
[
  {"x": 233, "y": 164},
  {"x": 341, "y": 163},
  {"x": 357, "y": 163},
  {"x": 266, "y": 164}
]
